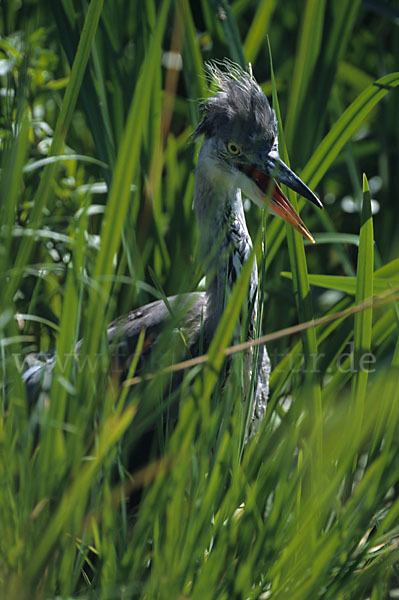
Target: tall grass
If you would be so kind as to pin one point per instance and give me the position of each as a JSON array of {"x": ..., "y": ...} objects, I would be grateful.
[{"x": 91, "y": 103}]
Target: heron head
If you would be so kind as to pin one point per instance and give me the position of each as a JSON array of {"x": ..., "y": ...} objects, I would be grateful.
[{"x": 241, "y": 132}]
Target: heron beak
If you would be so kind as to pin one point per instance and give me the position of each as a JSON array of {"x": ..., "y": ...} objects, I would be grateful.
[
  {"x": 284, "y": 209},
  {"x": 283, "y": 174},
  {"x": 272, "y": 193}
]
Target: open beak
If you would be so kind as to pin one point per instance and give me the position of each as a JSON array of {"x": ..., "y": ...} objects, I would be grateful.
[{"x": 265, "y": 180}]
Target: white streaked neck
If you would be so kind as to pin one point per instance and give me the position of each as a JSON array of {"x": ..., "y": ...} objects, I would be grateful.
[{"x": 225, "y": 243}]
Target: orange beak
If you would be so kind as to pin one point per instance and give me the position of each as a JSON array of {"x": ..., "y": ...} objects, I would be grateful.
[{"x": 277, "y": 200}]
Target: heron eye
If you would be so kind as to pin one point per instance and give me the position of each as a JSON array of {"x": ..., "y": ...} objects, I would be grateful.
[{"x": 233, "y": 148}]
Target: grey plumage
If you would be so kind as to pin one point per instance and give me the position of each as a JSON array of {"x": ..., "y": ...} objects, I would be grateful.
[
  {"x": 239, "y": 152},
  {"x": 238, "y": 110}
]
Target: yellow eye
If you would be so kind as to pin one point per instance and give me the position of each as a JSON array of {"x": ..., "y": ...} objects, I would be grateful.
[{"x": 233, "y": 148}]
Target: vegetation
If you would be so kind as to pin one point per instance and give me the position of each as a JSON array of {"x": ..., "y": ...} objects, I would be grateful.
[{"x": 97, "y": 104}]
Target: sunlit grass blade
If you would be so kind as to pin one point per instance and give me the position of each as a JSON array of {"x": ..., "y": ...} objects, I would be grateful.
[
  {"x": 345, "y": 127},
  {"x": 300, "y": 282},
  {"x": 335, "y": 237},
  {"x": 388, "y": 413},
  {"x": 75, "y": 495},
  {"x": 12, "y": 168},
  {"x": 328, "y": 150},
  {"x": 127, "y": 162},
  {"x": 327, "y": 549},
  {"x": 52, "y": 458},
  {"x": 364, "y": 290},
  {"x": 221, "y": 339},
  {"x": 10, "y": 185},
  {"x": 193, "y": 71},
  {"x": 256, "y": 35},
  {"x": 291, "y": 361},
  {"x": 386, "y": 277},
  {"x": 345, "y": 369},
  {"x": 347, "y": 284}
]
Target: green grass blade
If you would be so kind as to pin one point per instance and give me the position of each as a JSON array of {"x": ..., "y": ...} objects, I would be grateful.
[
  {"x": 93, "y": 105},
  {"x": 193, "y": 71},
  {"x": 259, "y": 27},
  {"x": 382, "y": 329},
  {"x": 364, "y": 290},
  {"x": 38, "y": 164},
  {"x": 340, "y": 21},
  {"x": 345, "y": 127},
  {"x": 224, "y": 332},
  {"x": 305, "y": 60},
  {"x": 110, "y": 434},
  {"x": 223, "y": 13},
  {"x": 10, "y": 185},
  {"x": 44, "y": 190},
  {"x": 216, "y": 519},
  {"x": 330, "y": 147},
  {"x": 347, "y": 284},
  {"x": 125, "y": 169},
  {"x": 335, "y": 237},
  {"x": 54, "y": 447},
  {"x": 300, "y": 281}
]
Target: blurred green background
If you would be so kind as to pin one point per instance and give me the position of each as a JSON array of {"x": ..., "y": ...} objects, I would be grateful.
[{"x": 105, "y": 226}]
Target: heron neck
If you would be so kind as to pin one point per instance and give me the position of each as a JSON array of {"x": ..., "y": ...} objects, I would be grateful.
[{"x": 225, "y": 243}]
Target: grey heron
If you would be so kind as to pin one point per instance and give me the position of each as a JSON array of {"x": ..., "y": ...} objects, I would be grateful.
[{"x": 239, "y": 153}]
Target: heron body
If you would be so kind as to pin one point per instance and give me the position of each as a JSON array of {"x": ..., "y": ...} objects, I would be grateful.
[
  {"x": 223, "y": 232},
  {"x": 239, "y": 153}
]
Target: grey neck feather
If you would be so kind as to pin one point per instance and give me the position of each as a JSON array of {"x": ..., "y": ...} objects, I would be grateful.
[{"x": 225, "y": 243}]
